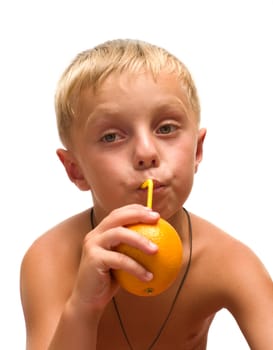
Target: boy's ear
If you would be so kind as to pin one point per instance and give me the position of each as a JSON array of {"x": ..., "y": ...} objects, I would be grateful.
[
  {"x": 73, "y": 169},
  {"x": 199, "y": 149}
]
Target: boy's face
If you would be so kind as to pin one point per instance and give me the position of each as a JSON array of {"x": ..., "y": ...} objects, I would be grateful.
[{"x": 131, "y": 129}]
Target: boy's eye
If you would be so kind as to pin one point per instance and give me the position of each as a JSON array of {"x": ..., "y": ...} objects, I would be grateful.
[
  {"x": 111, "y": 137},
  {"x": 166, "y": 129}
]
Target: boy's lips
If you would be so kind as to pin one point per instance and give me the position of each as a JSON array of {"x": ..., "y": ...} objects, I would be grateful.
[
  {"x": 156, "y": 184},
  {"x": 159, "y": 189}
]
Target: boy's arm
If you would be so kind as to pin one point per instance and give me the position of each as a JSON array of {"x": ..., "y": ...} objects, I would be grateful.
[
  {"x": 67, "y": 283},
  {"x": 76, "y": 329},
  {"x": 250, "y": 298},
  {"x": 51, "y": 315}
]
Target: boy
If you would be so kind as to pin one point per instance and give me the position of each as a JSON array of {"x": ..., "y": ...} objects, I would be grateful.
[{"x": 128, "y": 111}]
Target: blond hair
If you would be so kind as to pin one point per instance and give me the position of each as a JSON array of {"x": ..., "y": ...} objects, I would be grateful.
[{"x": 91, "y": 67}]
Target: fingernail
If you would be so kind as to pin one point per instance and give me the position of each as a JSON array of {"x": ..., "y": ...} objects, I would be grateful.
[
  {"x": 148, "y": 276},
  {"x": 153, "y": 245},
  {"x": 153, "y": 214}
]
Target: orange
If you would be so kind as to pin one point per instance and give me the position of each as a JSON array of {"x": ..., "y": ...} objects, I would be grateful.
[{"x": 165, "y": 264}]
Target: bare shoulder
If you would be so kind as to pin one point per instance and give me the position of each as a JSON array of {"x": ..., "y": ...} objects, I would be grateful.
[
  {"x": 223, "y": 254},
  {"x": 211, "y": 242},
  {"x": 64, "y": 238},
  {"x": 48, "y": 271},
  {"x": 237, "y": 279}
]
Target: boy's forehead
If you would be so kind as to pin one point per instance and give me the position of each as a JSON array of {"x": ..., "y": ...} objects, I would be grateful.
[
  {"x": 134, "y": 79},
  {"x": 163, "y": 89}
]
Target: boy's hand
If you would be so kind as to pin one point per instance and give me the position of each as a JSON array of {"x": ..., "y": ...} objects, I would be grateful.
[{"x": 95, "y": 286}]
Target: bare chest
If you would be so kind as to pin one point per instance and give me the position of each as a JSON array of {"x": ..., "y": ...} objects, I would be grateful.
[{"x": 146, "y": 324}]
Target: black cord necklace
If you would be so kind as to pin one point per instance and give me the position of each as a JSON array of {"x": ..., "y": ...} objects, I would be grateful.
[{"x": 175, "y": 297}]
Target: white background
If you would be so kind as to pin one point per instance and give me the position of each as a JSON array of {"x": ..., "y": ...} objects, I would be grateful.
[{"x": 227, "y": 45}]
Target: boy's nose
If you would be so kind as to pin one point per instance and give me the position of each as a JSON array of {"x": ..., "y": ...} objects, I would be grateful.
[
  {"x": 145, "y": 154},
  {"x": 147, "y": 163}
]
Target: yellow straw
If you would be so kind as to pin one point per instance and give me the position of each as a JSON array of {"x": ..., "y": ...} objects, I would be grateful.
[{"x": 149, "y": 183}]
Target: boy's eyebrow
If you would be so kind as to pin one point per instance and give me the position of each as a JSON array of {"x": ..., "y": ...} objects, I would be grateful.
[
  {"x": 102, "y": 111},
  {"x": 173, "y": 106},
  {"x": 114, "y": 110},
  {"x": 178, "y": 105}
]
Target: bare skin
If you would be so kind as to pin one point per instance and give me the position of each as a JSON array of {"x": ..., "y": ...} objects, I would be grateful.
[
  {"x": 206, "y": 290},
  {"x": 66, "y": 281}
]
